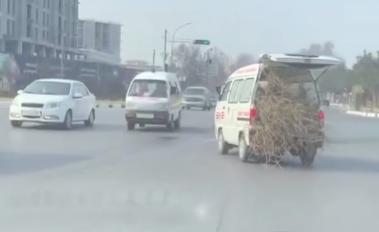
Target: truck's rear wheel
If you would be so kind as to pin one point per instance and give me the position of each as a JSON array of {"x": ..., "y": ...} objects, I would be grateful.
[{"x": 16, "y": 123}]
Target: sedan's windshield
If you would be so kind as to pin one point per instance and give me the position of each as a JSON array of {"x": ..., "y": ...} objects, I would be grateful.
[
  {"x": 48, "y": 88},
  {"x": 194, "y": 91}
]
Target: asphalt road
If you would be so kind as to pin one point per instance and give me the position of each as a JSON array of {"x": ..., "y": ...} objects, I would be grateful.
[{"x": 109, "y": 179}]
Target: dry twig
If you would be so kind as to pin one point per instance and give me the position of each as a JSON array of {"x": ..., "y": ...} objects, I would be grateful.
[{"x": 285, "y": 120}]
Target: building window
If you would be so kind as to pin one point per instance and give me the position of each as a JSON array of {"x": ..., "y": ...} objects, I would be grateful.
[
  {"x": 28, "y": 12},
  {"x": 9, "y": 4},
  {"x": 60, "y": 6},
  {"x": 36, "y": 34},
  {"x": 13, "y": 28},
  {"x": 9, "y": 29},
  {"x": 37, "y": 17},
  {"x": 29, "y": 31},
  {"x": 14, "y": 7}
]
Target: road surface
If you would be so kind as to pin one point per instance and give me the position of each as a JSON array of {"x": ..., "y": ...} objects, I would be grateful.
[{"x": 109, "y": 179}]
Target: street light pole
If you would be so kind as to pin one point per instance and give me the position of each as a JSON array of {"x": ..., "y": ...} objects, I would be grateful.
[
  {"x": 165, "y": 51},
  {"x": 173, "y": 41}
]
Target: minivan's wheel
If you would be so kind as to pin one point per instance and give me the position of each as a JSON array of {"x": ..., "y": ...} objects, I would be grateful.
[
  {"x": 243, "y": 150},
  {"x": 178, "y": 122},
  {"x": 16, "y": 123},
  {"x": 67, "y": 124},
  {"x": 308, "y": 155},
  {"x": 91, "y": 118},
  {"x": 171, "y": 124},
  {"x": 223, "y": 147},
  {"x": 142, "y": 125},
  {"x": 205, "y": 107},
  {"x": 131, "y": 125}
]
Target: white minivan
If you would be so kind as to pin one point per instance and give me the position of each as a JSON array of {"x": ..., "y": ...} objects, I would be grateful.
[
  {"x": 154, "y": 98},
  {"x": 235, "y": 111}
]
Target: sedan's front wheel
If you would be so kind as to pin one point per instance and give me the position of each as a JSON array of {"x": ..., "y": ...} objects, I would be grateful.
[
  {"x": 67, "y": 124},
  {"x": 91, "y": 118},
  {"x": 16, "y": 124}
]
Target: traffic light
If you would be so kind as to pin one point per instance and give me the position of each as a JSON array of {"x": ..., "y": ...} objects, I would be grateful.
[{"x": 202, "y": 42}]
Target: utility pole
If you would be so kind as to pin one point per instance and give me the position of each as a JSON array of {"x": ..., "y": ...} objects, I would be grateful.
[
  {"x": 153, "y": 60},
  {"x": 62, "y": 55},
  {"x": 173, "y": 41},
  {"x": 165, "y": 51},
  {"x": 208, "y": 62}
]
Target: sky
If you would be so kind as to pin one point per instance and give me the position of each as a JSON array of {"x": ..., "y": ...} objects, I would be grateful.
[{"x": 237, "y": 26}]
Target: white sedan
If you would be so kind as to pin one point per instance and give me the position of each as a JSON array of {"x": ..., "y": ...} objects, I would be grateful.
[{"x": 53, "y": 101}]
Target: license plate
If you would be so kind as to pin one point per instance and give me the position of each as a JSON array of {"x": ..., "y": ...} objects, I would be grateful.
[
  {"x": 31, "y": 113},
  {"x": 145, "y": 116}
]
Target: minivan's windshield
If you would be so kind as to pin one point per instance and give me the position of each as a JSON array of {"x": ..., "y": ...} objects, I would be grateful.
[
  {"x": 48, "y": 88},
  {"x": 148, "y": 88},
  {"x": 194, "y": 91}
]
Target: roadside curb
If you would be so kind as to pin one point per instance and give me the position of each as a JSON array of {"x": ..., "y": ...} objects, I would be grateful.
[
  {"x": 98, "y": 105},
  {"x": 363, "y": 114},
  {"x": 110, "y": 105}
]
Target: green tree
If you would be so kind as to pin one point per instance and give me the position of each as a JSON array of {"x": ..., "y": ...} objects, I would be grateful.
[{"x": 365, "y": 73}]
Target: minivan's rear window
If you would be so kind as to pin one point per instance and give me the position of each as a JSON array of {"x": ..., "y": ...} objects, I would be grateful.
[{"x": 148, "y": 88}]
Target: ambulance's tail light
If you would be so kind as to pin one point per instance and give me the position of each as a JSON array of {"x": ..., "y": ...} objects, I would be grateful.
[
  {"x": 253, "y": 115},
  {"x": 321, "y": 116}
]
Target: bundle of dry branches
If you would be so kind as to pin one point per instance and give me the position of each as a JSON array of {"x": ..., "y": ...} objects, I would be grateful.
[{"x": 286, "y": 119}]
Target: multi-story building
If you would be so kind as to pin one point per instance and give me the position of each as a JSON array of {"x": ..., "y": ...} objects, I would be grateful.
[
  {"x": 39, "y": 27},
  {"x": 100, "y": 41}
]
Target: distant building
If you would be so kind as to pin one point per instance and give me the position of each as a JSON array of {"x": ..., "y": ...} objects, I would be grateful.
[
  {"x": 100, "y": 41},
  {"x": 141, "y": 65},
  {"x": 39, "y": 27}
]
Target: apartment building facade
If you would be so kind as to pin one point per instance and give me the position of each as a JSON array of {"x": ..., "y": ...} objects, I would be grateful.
[
  {"x": 100, "y": 41},
  {"x": 39, "y": 27}
]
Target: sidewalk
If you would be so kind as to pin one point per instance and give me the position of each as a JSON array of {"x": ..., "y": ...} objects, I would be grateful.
[{"x": 363, "y": 113}]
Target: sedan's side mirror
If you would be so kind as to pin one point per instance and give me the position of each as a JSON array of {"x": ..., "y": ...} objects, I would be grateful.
[
  {"x": 77, "y": 95},
  {"x": 20, "y": 91}
]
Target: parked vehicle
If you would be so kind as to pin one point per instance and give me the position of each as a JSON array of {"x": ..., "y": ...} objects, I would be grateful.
[
  {"x": 197, "y": 97},
  {"x": 53, "y": 101},
  {"x": 154, "y": 98},
  {"x": 236, "y": 111},
  {"x": 326, "y": 103}
]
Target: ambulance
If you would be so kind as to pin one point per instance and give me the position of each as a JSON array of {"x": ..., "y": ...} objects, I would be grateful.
[{"x": 235, "y": 111}]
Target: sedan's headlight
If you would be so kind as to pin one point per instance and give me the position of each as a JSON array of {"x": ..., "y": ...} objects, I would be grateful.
[
  {"x": 52, "y": 105},
  {"x": 15, "y": 103}
]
